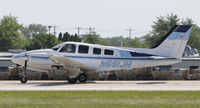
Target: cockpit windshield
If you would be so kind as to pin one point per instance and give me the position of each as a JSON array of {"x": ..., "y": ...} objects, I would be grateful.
[{"x": 55, "y": 48}]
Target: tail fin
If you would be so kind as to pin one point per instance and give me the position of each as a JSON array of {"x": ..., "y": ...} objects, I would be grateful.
[{"x": 174, "y": 43}]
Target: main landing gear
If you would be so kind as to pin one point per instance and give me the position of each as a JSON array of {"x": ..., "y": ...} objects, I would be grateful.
[
  {"x": 82, "y": 78},
  {"x": 72, "y": 80}
]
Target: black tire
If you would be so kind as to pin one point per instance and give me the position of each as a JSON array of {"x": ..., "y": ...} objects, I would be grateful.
[
  {"x": 72, "y": 80},
  {"x": 23, "y": 80},
  {"x": 82, "y": 78}
]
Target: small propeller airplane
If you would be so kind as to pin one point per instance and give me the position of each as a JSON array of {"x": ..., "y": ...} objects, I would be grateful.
[{"x": 78, "y": 58}]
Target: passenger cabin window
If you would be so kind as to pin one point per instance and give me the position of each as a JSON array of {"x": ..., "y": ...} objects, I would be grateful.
[
  {"x": 68, "y": 48},
  {"x": 108, "y": 52},
  {"x": 83, "y": 49},
  {"x": 97, "y": 51}
]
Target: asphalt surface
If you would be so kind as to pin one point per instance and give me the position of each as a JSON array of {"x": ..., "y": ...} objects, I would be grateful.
[{"x": 43, "y": 85}]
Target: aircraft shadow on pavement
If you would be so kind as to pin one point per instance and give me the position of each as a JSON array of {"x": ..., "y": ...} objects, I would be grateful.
[
  {"x": 60, "y": 83},
  {"x": 151, "y": 83}
]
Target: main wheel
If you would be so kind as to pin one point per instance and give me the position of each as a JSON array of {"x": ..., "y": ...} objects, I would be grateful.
[
  {"x": 82, "y": 78},
  {"x": 23, "y": 80},
  {"x": 72, "y": 80}
]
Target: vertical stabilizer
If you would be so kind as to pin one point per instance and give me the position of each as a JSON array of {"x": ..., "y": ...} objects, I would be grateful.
[{"x": 174, "y": 43}]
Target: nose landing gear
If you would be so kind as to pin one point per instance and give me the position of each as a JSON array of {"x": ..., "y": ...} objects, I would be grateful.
[{"x": 23, "y": 78}]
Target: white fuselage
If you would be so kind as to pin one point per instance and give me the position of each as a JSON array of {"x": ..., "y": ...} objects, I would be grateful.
[{"x": 116, "y": 59}]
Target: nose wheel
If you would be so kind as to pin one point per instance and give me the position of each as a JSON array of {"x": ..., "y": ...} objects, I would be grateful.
[{"x": 23, "y": 79}]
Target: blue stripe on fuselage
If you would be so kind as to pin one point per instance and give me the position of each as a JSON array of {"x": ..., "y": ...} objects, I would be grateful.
[
  {"x": 121, "y": 58},
  {"x": 131, "y": 58},
  {"x": 19, "y": 56},
  {"x": 39, "y": 58}
]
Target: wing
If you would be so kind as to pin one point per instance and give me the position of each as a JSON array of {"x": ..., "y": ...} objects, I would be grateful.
[{"x": 61, "y": 60}]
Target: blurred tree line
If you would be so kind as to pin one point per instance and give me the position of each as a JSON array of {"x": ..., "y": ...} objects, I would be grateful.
[
  {"x": 35, "y": 36},
  {"x": 161, "y": 26},
  {"x": 164, "y": 23}
]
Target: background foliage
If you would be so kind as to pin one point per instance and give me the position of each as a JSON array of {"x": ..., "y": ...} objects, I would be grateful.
[{"x": 35, "y": 36}]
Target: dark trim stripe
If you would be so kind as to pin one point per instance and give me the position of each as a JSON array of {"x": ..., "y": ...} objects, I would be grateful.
[
  {"x": 135, "y": 54},
  {"x": 165, "y": 37},
  {"x": 183, "y": 28}
]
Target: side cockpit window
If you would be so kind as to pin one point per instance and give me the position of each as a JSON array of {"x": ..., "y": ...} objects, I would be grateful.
[
  {"x": 68, "y": 48},
  {"x": 83, "y": 49}
]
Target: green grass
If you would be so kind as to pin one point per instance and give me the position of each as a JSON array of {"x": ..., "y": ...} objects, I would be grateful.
[{"x": 100, "y": 99}]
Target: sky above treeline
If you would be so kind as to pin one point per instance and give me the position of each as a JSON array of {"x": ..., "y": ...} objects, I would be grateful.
[{"x": 108, "y": 18}]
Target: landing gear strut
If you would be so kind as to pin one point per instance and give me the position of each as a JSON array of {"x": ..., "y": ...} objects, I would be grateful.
[{"x": 23, "y": 78}]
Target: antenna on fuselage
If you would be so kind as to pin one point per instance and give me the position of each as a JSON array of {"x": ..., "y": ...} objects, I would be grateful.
[
  {"x": 83, "y": 40},
  {"x": 84, "y": 37}
]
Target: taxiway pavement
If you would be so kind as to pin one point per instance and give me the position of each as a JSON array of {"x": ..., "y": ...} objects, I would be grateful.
[{"x": 100, "y": 86}]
